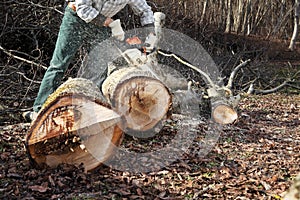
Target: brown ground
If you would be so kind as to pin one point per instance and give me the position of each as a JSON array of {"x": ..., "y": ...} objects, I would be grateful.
[{"x": 255, "y": 158}]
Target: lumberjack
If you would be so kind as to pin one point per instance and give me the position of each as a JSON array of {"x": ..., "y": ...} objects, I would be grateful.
[{"x": 84, "y": 21}]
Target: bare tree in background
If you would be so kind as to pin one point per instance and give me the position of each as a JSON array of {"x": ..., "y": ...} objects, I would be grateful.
[
  {"x": 229, "y": 16},
  {"x": 239, "y": 12},
  {"x": 269, "y": 18},
  {"x": 296, "y": 25}
]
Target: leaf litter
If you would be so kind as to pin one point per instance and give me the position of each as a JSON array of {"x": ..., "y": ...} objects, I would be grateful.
[{"x": 255, "y": 158}]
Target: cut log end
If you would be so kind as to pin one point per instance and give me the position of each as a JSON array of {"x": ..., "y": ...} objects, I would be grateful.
[
  {"x": 224, "y": 114},
  {"x": 137, "y": 96},
  {"x": 69, "y": 128},
  {"x": 143, "y": 101}
]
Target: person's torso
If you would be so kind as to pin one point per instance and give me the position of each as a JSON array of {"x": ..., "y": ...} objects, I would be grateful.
[{"x": 109, "y": 8}]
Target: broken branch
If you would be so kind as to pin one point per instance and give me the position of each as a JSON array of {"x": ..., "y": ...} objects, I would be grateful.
[
  {"x": 22, "y": 59},
  {"x": 287, "y": 82},
  {"x": 255, "y": 91},
  {"x": 206, "y": 76},
  {"x": 234, "y": 72}
]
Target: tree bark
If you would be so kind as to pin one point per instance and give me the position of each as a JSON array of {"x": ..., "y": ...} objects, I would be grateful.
[
  {"x": 296, "y": 26},
  {"x": 239, "y": 16},
  {"x": 229, "y": 15},
  {"x": 75, "y": 126},
  {"x": 203, "y": 15},
  {"x": 247, "y": 16}
]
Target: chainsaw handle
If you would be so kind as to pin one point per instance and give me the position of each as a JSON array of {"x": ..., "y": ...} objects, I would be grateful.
[{"x": 159, "y": 21}]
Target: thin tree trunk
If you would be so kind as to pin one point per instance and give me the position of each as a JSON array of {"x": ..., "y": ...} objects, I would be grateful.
[
  {"x": 257, "y": 18},
  {"x": 221, "y": 13},
  {"x": 229, "y": 15},
  {"x": 204, "y": 11},
  {"x": 296, "y": 26},
  {"x": 238, "y": 16},
  {"x": 247, "y": 17}
]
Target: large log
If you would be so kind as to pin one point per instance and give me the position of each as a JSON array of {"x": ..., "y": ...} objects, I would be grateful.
[
  {"x": 138, "y": 96},
  {"x": 75, "y": 126}
]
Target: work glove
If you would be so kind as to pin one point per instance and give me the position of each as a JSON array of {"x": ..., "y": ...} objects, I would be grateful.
[
  {"x": 116, "y": 30},
  {"x": 151, "y": 41},
  {"x": 159, "y": 19}
]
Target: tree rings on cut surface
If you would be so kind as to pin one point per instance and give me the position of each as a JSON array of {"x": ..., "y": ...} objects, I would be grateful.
[
  {"x": 139, "y": 97},
  {"x": 74, "y": 126},
  {"x": 223, "y": 113}
]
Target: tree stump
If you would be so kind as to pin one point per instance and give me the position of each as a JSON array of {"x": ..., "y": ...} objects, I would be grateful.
[
  {"x": 75, "y": 126},
  {"x": 138, "y": 96}
]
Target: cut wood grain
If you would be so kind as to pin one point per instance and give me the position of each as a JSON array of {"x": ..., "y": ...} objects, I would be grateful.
[
  {"x": 75, "y": 126},
  {"x": 139, "y": 97}
]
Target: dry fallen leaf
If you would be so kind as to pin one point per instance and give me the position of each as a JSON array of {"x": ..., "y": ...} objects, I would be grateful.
[{"x": 38, "y": 188}]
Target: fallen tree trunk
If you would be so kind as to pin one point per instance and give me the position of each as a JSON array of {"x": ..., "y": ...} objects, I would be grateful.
[
  {"x": 222, "y": 99},
  {"x": 75, "y": 126},
  {"x": 139, "y": 97}
]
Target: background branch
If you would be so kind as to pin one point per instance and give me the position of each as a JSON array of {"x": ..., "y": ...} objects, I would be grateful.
[{"x": 22, "y": 59}]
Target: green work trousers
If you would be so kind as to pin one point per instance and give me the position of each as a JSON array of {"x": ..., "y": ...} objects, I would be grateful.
[{"x": 73, "y": 33}]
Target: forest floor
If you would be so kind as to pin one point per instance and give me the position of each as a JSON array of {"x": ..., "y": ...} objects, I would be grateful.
[{"x": 255, "y": 158}]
